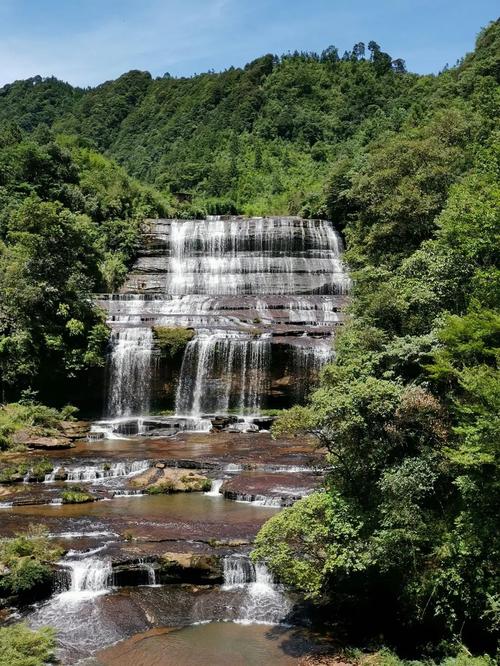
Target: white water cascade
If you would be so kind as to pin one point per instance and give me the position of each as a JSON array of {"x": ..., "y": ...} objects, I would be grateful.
[
  {"x": 265, "y": 601},
  {"x": 97, "y": 473},
  {"x": 263, "y": 296},
  {"x": 89, "y": 577},
  {"x": 130, "y": 371},
  {"x": 215, "y": 488},
  {"x": 221, "y": 372}
]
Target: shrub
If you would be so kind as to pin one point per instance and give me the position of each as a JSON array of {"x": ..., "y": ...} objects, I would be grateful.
[
  {"x": 13, "y": 473},
  {"x": 20, "y": 646},
  {"x": 40, "y": 419},
  {"x": 172, "y": 340},
  {"x": 41, "y": 468},
  {"x": 25, "y": 560},
  {"x": 161, "y": 488},
  {"x": 25, "y": 575},
  {"x": 76, "y": 495}
]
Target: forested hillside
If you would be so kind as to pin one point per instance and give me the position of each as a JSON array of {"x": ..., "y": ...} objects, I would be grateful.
[
  {"x": 254, "y": 140},
  {"x": 406, "y": 540},
  {"x": 69, "y": 220}
]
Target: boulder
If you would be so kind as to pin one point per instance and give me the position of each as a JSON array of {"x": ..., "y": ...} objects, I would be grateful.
[
  {"x": 74, "y": 429},
  {"x": 171, "y": 480},
  {"x": 49, "y": 443},
  {"x": 222, "y": 422},
  {"x": 243, "y": 427},
  {"x": 29, "y": 437},
  {"x": 190, "y": 567}
]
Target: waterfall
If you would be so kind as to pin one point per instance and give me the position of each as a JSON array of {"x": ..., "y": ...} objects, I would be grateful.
[
  {"x": 96, "y": 473},
  {"x": 260, "y": 500},
  {"x": 252, "y": 289},
  {"x": 51, "y": 477},
  {"x": 221, "y": 372},
  {"x": 265, "y": 601},
  {"x": 130, "y": 371},
  {"x": 215, "y": 488},
  {"x": 228, "y": 257},
  {"x": 306, "y": 363},
  {"x": 129, "y": 493},
  {"x": 149, "y": 569},
  {"x": 88, "y": 577},
  {"x": 238, "y": 570}
]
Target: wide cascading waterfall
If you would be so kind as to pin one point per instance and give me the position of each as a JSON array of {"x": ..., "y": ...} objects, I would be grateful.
[
  {"x": 130, "y": 371},
  {"x": 263, "y": 296}
]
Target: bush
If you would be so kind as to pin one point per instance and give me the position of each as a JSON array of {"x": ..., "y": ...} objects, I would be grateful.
[
  {"x": 41, "y": 468},
  {"x": 172, "y": 340},
  {"x": 26, "y": 561},
  {"x": 13, "y": 473},
  {"x": 24, "y": 576},
  {"x": 20, "y": 646},
  {"x": 161, "y": 488},
  {"x": 77, "y": 495},
  {"x": 318, "y": 537}
]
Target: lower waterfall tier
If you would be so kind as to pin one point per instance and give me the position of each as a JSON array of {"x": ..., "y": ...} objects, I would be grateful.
[{"x": 218, "y": 372}]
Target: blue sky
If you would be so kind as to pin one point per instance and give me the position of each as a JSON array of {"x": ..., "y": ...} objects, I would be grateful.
[{"x": 86, "y": 42}]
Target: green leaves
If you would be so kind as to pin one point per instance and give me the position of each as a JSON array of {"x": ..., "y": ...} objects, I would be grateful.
[
  {"x": 21, "y": 646},
  {"x": 314, "y": 540}
]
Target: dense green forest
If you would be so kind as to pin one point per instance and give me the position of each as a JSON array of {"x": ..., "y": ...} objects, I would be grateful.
[
  {"x": 69, "y": 220},
  {"x": 256, "y": 140},
  {"x": 404, "y": 540},
  {"x": 406, "y": 536}
]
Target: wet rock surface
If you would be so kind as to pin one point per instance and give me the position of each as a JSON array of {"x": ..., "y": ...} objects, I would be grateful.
[
  {"x": 280, "y": 489},
  {"x": 164, "y": 479},
  {"x": 134, "y": 560}
]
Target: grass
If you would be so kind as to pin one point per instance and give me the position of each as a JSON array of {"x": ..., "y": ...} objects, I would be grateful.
[
  {"x": 44, "y": 420},
  {"x": 76, "y": 495}
]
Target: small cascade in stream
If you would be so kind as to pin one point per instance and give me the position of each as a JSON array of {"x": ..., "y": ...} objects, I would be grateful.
[
  {"x": 130, "y": 371},
  {"x": 238, "y": 571},
  {"x": 51, "y": 477},
  {"x": 149, "y": 569},
  {"x": 88, "y": 577},
  {"x": 215, "y": 488},
  {"x": 96, "y": 473},
  {"x": 265, "y": 601}
]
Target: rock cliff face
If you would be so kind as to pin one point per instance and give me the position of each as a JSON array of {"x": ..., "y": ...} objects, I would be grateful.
[{"x": 263, "y": 296}]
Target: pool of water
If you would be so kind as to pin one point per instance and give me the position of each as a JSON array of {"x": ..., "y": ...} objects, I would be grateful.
[
  {"x": 176, "y": 507},
  {"x": 215, "y": 643}
]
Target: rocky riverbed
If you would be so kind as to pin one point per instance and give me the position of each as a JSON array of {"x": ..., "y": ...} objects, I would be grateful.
[{"x": 164, "y": 539}]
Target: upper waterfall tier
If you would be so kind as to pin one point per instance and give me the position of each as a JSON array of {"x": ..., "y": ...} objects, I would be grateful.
[{"x": 240, "y": 256}]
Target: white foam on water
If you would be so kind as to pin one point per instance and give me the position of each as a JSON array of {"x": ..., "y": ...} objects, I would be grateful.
[
  {"x": 89, "y": 577},
  {"x": 264, "y": 602},
  {"x": 215, "y": 488}
]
